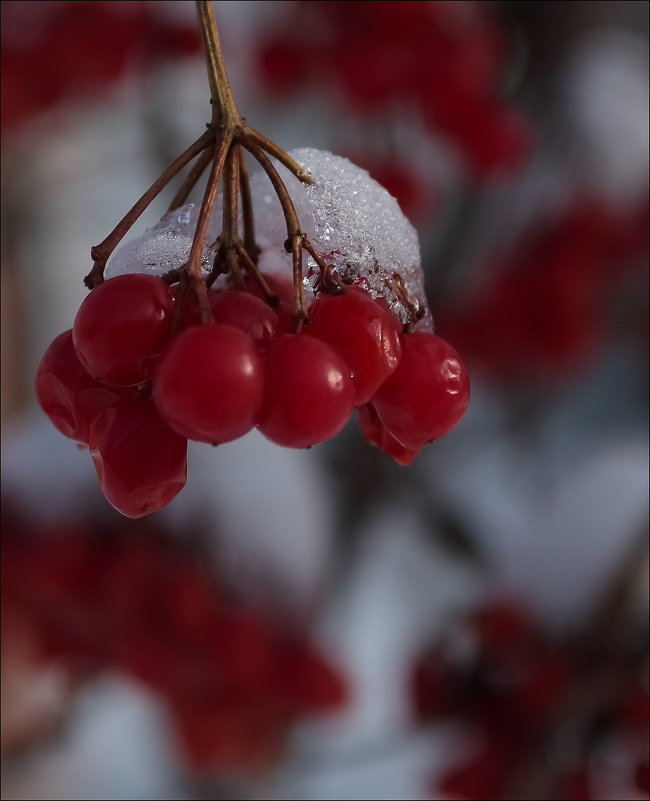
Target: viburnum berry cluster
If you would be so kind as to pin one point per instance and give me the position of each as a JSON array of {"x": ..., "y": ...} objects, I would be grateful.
[
  {"x": 80, "y": 47},
  {"x": 547, "y": 717},
  {"x": 96, "y": 598},
  {"x": 547, "y": 304},
  {"x": 153, "y": 360}
]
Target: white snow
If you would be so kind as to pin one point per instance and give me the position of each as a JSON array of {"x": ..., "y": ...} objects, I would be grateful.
[
  {"x": 165, "y": 246},
  {"x": 353, "y": 222}
]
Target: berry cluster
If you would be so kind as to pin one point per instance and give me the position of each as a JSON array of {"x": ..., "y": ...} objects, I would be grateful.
[
  {"x": 445, "y": 59},
  {"x": 548, "y": 303},
  {"x": 78, "y": 48},
  {"x": 232, "y": 679},
  {"x": 138, "y": 375},
  {"x": 536, "y": 705}
]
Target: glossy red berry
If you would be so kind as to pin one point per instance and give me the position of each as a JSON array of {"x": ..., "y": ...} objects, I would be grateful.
[
  {"x": 375, "y": 432},
  {"x": 66, "y": 393},
  {"x": 242, "y": 310},
  {"x": 209, "y": 382},
  {"x": 121, "y": 326},
  {"x": 364, "y": 335},
  {"x": 280, "y": 286},
  {"x": 308, "y": 394},
  {"x": 140, "y": 462},
  {"x": 248, "y": 313},
  {"x": 426, "y": 395}
]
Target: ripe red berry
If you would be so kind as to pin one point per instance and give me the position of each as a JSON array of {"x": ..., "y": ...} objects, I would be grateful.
[
  {"x": 208, "y": 383},
  {"x": 426, "y": 395},
  {"x": 121, "y": 326},
  {"x": 308, "y": 394},
  {"x": 248, "y": 313},
  {"x": 374, "y": 431},
  {"x": 280, "y": 285},
  {"x": 140, "y": 462},
  {"x": 364, "y": 335},
  {"x": 66, "y": 393},
  {"x": 242, "y": 310}
]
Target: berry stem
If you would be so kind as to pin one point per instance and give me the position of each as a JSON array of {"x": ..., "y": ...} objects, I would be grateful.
[
  {"x": 193, "y": 266},
  {"x": 295, "y": 236},
  {"x": 101, "y": 253},
  {"x": 192, "y": 179},
  {"x": 230, "y": 198},
  {"x": 224, "y": 110},
  {"x": 284, "y": 158},
  {"x": 250, "y": 243},
  {"x": 415, "y": 311}
]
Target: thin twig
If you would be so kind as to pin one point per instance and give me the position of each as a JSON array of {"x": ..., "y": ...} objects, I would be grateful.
[
  {"x": 192, "y": 179},
  {"x": 247, "y": 208},
  {"x": 295, "y": 235},
  {"x": 284, "y": 158},
  {"x": 101, "y": 253},
  {"x": 224, "y": 110},
  {"x": 194, "y": 260},
  {"x": 269, "y": 295}
]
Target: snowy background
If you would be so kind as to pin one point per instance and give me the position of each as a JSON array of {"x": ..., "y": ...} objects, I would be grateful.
[{"x": 539, "y": 495}]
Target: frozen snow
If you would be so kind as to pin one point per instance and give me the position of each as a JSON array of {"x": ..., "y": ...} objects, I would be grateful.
[
  {"x": 165, "y": 246},
  {"x": 354, "y": 223}
]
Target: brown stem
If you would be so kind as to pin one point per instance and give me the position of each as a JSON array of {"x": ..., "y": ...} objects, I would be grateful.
[
  {"x": 194, "y": 260},
  {"x": 247, "y": 208},
  {"x": 270, "y": 296},
  {"x": 415, "y": 310},
  {"x": 329, "y": 279},
  {"x": 224, "y": 110},
  {"x": 288, "y": 209},
  {"x": 295, "y": 236},
  {"x": 192, "y": 179},
  {"x": 284, "y": 158},
  {"x": 101, "y": 253},
  {"x": 230, "y": 198}
]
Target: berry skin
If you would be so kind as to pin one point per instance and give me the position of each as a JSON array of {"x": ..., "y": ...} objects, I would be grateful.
[
  {"x": 373, "y": 430},
  {"x": 241, "y": 310},
  {"x": 280, "y": 285},
  {"x": 308, "y": 393},
  {"x": 426, "y": 395},
  {"x": 121, "y": 326},
  {"x": 67, "y": 394},
  {"x": 140, "y": 462},
  {"x": 364, "y": 335},
  {"x": 209, "y": 382},
  {"x": 244, "y": 311}
]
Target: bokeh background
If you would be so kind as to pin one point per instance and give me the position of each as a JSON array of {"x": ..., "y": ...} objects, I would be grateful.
[{"x": 325, "y": 624}]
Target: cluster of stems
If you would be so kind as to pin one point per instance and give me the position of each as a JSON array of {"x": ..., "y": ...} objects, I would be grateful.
[{"x": 221, "y": 147}]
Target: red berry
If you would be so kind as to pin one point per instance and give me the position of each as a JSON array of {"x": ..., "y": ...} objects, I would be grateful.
[
  {"x": 244, "y": 311},
  {"x": 208, "y": 383},
  {"x": 426, "y": 395},
  {"x": 280, "y": 285},
  {"x": 308, "y": 395},
  {"x": 374, "y": 431},
  {"x": 140, "y": 462},
  {"x": 121, "y": 325},
  {"x": 364, "y": 335},
  {"x": 66, "y": 393}
]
